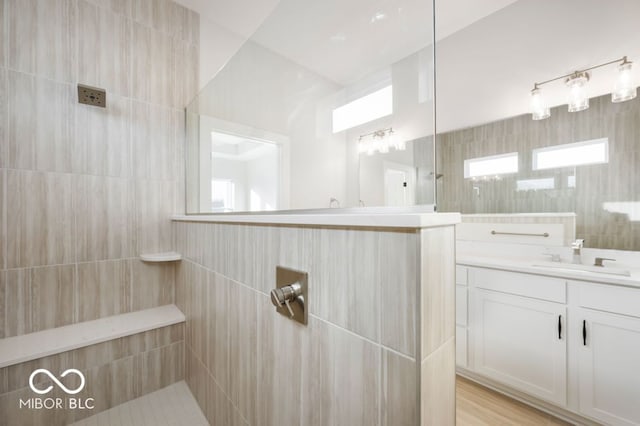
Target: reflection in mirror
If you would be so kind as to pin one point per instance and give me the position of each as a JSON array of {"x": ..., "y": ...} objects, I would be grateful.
[
  {"x": 288, "y": 121},
  {"x": 585, "y": 161}
]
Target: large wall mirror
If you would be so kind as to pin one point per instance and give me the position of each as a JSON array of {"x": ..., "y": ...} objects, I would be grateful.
[
  {"x": 504, "y": 149},
  {"x": 327, "y": 104}
]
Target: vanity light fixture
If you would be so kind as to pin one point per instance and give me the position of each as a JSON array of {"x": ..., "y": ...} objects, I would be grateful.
[
  {"x": 381, "y": 141},
  {"x": 624, "y": 89}
]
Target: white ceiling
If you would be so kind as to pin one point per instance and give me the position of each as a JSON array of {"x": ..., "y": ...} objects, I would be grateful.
[{"x": 489, "y": 52}]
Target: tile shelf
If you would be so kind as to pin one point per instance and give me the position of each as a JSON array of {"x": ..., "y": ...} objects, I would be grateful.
[{"x": 169, "y": 256}]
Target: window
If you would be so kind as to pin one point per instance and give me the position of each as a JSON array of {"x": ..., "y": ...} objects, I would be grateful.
[
  {"x": 222, "y": 195},
  {"x": 491, "y": 166},
  {"x": 367, "y": 108},
  {"x": 572, "y": 154},
  {"x": 535, "y": 184}
]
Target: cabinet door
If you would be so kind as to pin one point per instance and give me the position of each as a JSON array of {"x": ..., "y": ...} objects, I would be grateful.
[
  {"x": 609, "y": 367},
  {"x": 521, "y": 342}
]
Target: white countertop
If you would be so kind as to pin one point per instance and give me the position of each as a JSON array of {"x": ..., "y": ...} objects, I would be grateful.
[
  {"x": 367, "y": 220},
  {"x": 525, "y": 265}
]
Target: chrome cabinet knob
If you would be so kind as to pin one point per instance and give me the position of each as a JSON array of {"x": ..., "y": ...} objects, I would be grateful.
[{"x": 283, "y": 296}]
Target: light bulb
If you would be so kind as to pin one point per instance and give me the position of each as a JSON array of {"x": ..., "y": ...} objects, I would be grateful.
[
  {"x": 624, "y": 89},
  {"x": 539, "y": 109},
  {"x": 578, "y": 99},
  {"x": 384, "y": 146}
]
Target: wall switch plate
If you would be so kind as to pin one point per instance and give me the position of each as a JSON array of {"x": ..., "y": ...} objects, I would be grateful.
[{"x": 92, "y": 96}]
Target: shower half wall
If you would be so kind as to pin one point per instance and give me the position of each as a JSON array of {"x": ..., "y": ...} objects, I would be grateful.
[{"x": 379, "y": 345}]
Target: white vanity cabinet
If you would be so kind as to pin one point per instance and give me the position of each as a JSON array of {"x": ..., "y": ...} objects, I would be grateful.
[
  {"x": 520, "y": 340},
  {"x": 608, "y": 351},
  {"x": 572, "y": 346}
]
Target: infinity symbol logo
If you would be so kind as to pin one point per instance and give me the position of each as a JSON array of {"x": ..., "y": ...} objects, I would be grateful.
[{"x": 57, "y": 382}]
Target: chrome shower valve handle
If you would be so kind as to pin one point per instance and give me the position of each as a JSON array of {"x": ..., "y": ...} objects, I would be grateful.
[{"x": 283, "y": 296}]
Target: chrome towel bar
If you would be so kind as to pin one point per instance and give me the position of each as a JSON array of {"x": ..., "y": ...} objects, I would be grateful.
[{"x": 546, "y": 234}]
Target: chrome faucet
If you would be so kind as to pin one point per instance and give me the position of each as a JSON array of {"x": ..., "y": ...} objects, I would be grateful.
[{"x": 577, "y": 250}]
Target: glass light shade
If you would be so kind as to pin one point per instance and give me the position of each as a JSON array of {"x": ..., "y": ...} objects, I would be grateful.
[
  {"x": 384, "y": 146},
  {"x": 539, "y": 109},
  {"x": 578, "y": 99},
  {"x": 624, "y": 88}
]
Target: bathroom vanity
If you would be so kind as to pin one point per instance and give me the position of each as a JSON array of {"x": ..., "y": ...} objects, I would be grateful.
[{"x": 566, "y": 341}]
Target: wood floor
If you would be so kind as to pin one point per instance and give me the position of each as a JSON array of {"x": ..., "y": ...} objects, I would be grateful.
[{"x": 478, "y": 406}]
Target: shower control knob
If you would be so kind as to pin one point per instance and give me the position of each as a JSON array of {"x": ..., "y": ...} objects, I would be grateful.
[{"x": 283, "y": 296}]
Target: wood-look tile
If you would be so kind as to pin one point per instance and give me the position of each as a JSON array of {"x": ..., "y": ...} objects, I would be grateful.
[
  {"x": 196, "y": 376},
  {"x": 344, "y": 285},
  {"x": 100, "y": 354},
  {"x": 219, "y": 408},
  {"x": 398, "y": 263},
  {"x": 196, "y": 327},
  {"x": 153, "y": 339},
  {"x": 153, "y": 69},
  {"x": 103, "y": 140},
  {"x": 3, "y": 38},
  {"x": 103, "y": 289},
  {"x": 52, "y": 296},
  {"x": 341, "y": 379},
  {"x": 3, "y": 221},
  {"x": 21, "y": 121},
  {"x": 17, "y": 295},
  {"x": 3, "y": 280},
  {"x": 438, "y": 386},
  {"x": 154, "y": 208},
  {"x": 13, "y": 415},
  {"x": 104, "y": 49},
  {"x": 159, "y": 368},
  {"x": 186, "y": 71},
  {"x": 399, "y": 404},
  {"x": 42, "y": 37},
  {"x": 41, "y": 124},
  {"x": 153, "y": 141},
  {"x": 121, "y": 7},
  {"x": 190, "y": 28},
  {"x": 4, "y": 114},
  {"x": 438, "y": 287},
  {"x": 17, "y": 375},
  {"x": 242, "y": 347},
  {"x": 280, "y": 371},
  {"x": 217, "y": 320},
  {"x": 151, "y": 285},
  {"x": 104, "y": 211}
]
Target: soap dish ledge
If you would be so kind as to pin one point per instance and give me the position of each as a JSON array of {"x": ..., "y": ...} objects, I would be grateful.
[{"x": 169, "y": 256}]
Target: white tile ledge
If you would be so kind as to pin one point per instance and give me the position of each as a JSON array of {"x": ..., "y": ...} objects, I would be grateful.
[
  {"x": 375, "y": 220},
  {"x": 169, "y": 256},
  {"x": 18, "y": 349}
]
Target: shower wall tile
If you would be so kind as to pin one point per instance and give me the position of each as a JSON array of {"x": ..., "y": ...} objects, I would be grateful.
[
  {"x": 40, "y": 227},
  {"x": 17, "y": 296},
  {"x": 217, "y": 322},
  {"x": 154, "y": 207},
  {"x": 3, "y": 280},
  {"x": 52, "y": 296},
  {"x": 154, "y": 131},
  {"x": 3, "y": 221},
  {"x": 341, "y": 384},
  {"x": 438, "y": 288},
  {"x": 186, "y": 72},
  {"x": 398, "y": 263},
  {"x": 104, "y": 218},
  {"x": 3, "y": 113},
  {"x": 159, "y": 368},
  {"x": 399, "y": 380},
  {"x": 41, "y": 124},
  {"x": 438, "y": 392},
  {"x": 103, "y": 289},
  {"x": 152, "y": 285},
  {"x": 346, "y": 264},
  {"x": 3, "y": 35},
  {"x": 21, "y": 121},
  {"x": 153, "y": 66},
  {"x": 42, "y": 37},
  {"x": 103, "y": 140},
  {"x": 104, "y": 49},
  {"x": 121, "y": 7},
  {"x": 279, "y": 371}
]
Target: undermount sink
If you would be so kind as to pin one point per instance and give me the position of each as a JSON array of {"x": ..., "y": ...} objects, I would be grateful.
[{"x": 583, "y": 268}]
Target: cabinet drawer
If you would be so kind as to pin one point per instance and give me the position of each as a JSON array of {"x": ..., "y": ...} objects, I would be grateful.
[
  {"x": 610, "y": 298},
  {"x": 461, "y": 275},
  {"x": 528, "y": 285},
  {"x": 461, "y": 305}
]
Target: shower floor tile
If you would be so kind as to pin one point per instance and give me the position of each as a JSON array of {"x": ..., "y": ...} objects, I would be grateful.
[{"x": 170, "y": 406}]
